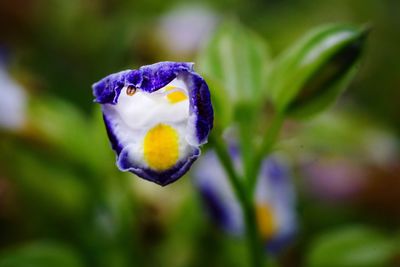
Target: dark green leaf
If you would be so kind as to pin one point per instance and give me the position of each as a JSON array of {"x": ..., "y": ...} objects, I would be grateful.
[{"x": 40, "y": 254}]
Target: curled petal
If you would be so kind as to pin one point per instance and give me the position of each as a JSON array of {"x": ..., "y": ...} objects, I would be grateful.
[{"x": 156, "y": 118}]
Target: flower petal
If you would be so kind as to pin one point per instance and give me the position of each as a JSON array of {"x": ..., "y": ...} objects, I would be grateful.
[{"x": 217, "y": 194}]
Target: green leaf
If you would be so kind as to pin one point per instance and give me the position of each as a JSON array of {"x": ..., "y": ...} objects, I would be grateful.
[
  {"x": 40, "y": 254},
  {"x": 355, "y": 246},
  {"x": 314, "y": 71},
  {"x": 77, "y": 137},
  {"x": 61, "y": 124},
  {"x": 236, "y": 59},
  {"x": 221, "y": 107},
  {"x": 47, "y": 184},
  {"x": 102, "y": 158}
]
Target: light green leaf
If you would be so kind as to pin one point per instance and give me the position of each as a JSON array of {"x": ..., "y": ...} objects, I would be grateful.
[
  {"x": 355, "y": 246},
  {"x": 237, "y": 60},
  {"x": 310, "y": 75}
]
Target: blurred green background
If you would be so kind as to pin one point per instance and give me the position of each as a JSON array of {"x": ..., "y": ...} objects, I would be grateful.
[{"x": 62, "y": 200}]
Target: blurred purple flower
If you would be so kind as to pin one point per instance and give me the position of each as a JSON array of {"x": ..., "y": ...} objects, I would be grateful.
[
  {"x": 13, "y": 100},
  {"x": 274, "y": 199},
  {"x": 335, "y": 179},
  {"x": 183, "y": 30}
]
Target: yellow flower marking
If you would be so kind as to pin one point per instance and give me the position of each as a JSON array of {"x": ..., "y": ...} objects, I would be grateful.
[
  {"x": 176, "y": 96},
  {"x": 267, "y": 224},
  {"x": 161, "y": 147}
]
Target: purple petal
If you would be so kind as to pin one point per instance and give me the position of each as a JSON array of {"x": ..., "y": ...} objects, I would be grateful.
[{"x": 162, "y": 178}]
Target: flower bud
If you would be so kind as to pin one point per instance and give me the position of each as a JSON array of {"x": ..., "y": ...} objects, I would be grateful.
[{"x": 312, "y": 73}]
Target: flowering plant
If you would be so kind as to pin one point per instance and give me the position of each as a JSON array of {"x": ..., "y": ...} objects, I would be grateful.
[{"x": 157, "y": 117}]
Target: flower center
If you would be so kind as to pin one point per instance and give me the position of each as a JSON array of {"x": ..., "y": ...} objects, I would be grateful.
[
  {"x": 266, "y": 221},
  {"x": 161, "y": 147}
]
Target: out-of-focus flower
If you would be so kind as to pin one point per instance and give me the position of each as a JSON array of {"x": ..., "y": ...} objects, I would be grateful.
[
  {"x": 335, "y": 179},
  {"x": 13, "y": 101},
  {"x": 340, "y": 150},
  {"x": 274, "y": 199},
  {"x": 183, "y": 30},
  {"x": 156, "y": 118}
]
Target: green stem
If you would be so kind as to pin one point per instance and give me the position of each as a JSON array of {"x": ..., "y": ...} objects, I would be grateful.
[
  {"x": 252, "y": 234},
  {"x": 245, "y": 116},
  {"x": 246, "y": 202},
  {"x": 265, "y": 148},
  {"x": 226, "y": 161},
  {"x": 243, "y": 193}
]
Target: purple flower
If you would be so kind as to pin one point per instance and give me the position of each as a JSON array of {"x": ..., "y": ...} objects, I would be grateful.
[
  {"x": 156, "y": 118},
  {"x": 13, "y": 101},
  {"x": 274, "y": 200}
]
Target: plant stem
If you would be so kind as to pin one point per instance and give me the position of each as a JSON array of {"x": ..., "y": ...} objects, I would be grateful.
[
  {"x": 246, "y": 202},
  {"x": 265, "y": 148},
  {"x": 252, "y": 234},
  {"x": 245, "y": 116},
  {"x": 226, "y": 161},
  {"x": 243, "y": 193}
]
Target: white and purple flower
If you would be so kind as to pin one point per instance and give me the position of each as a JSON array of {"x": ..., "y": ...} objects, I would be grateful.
[
  {"x": 274, "y": 199},
  {"x": 156, "y": 118}
]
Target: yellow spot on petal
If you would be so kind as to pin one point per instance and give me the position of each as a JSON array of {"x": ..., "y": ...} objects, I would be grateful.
[
  {"x": 176, "y": 96},
  {"x": 266, "y": 221},
  {"x": 161, "y": 147}
]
